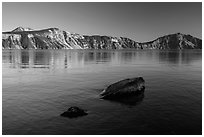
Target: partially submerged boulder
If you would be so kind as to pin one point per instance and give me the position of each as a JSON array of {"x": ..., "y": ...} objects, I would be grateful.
[
  {"x": 123, "y": 88},
  {"x": 74, "y": 112}
]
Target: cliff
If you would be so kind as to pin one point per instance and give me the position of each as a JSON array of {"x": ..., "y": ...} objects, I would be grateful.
[
  {"x": 54, "y": 38},
  {"x": 174, "y": 41}
]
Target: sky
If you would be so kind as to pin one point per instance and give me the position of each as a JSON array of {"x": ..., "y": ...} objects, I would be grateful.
[{"x": 138, "y": 21}]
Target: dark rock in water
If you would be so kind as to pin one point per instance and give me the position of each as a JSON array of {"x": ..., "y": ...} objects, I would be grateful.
[
  {"x": 121, "y": 89},
  {"x": 74, "y": 112}
]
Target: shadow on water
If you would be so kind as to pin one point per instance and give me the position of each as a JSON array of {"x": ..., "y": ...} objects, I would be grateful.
[{"x": 132, "y": 100}]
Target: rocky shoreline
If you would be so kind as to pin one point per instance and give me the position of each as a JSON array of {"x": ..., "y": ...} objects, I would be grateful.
[{"x": 127, "y": 91}]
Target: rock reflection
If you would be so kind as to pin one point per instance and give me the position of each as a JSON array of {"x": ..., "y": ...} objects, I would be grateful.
[
  {"x": 132, "y": 100},
  {"x": 41, "y": 58},
  {"x": 97, "y": 56},
  {"x": 65, "y": 61},
  {"x": 24, "y": 58}
]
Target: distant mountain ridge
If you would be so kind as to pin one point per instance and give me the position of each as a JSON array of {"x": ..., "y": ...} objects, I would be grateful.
[
  {"x": 22, "y": 29},
  {"x": 54, "y": 38}
]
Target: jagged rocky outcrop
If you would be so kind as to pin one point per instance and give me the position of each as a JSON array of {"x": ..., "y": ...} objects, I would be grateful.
[
  {"x": 73, "y": 112},
  {"x": 107, "y": 42},
  {"x": 174, "y": 41},
  {"x": 54, "y": 38},
  {"x": 51, "y": 38},
  {"x": 124, "y": 88}
]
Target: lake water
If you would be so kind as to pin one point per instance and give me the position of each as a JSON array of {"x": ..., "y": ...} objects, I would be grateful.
[{"x": 38, "y": 85}]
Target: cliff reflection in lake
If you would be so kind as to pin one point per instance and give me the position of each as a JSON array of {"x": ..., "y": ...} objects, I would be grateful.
[{"x": 50, "y": 58}]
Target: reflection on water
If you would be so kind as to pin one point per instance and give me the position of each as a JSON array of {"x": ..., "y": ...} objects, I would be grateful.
[
  {"x": 38, "y": 85},
  {"x": 132, "y": 100},
  {"x": 67, "y": 59}
]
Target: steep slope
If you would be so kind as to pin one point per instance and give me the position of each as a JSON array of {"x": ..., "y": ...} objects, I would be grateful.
[
  {"x": 51, "y": 38},
  {"x": 105, "y": 42},
  {"x": 54, "y": 38},
  {"x": 174, "y": 41}
]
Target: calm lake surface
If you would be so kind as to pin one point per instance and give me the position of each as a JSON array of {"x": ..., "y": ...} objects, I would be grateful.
[{"x": 38, "y": 85}]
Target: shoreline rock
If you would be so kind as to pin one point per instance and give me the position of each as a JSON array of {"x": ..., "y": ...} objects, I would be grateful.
[
  {"x": 124, "y": 88},
  {"x": 73, "y": 112}
]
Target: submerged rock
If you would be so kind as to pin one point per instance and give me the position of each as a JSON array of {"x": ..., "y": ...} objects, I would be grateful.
[
  {"x": 74, "y": 112},
  {"x": 124, "y": 88}
]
